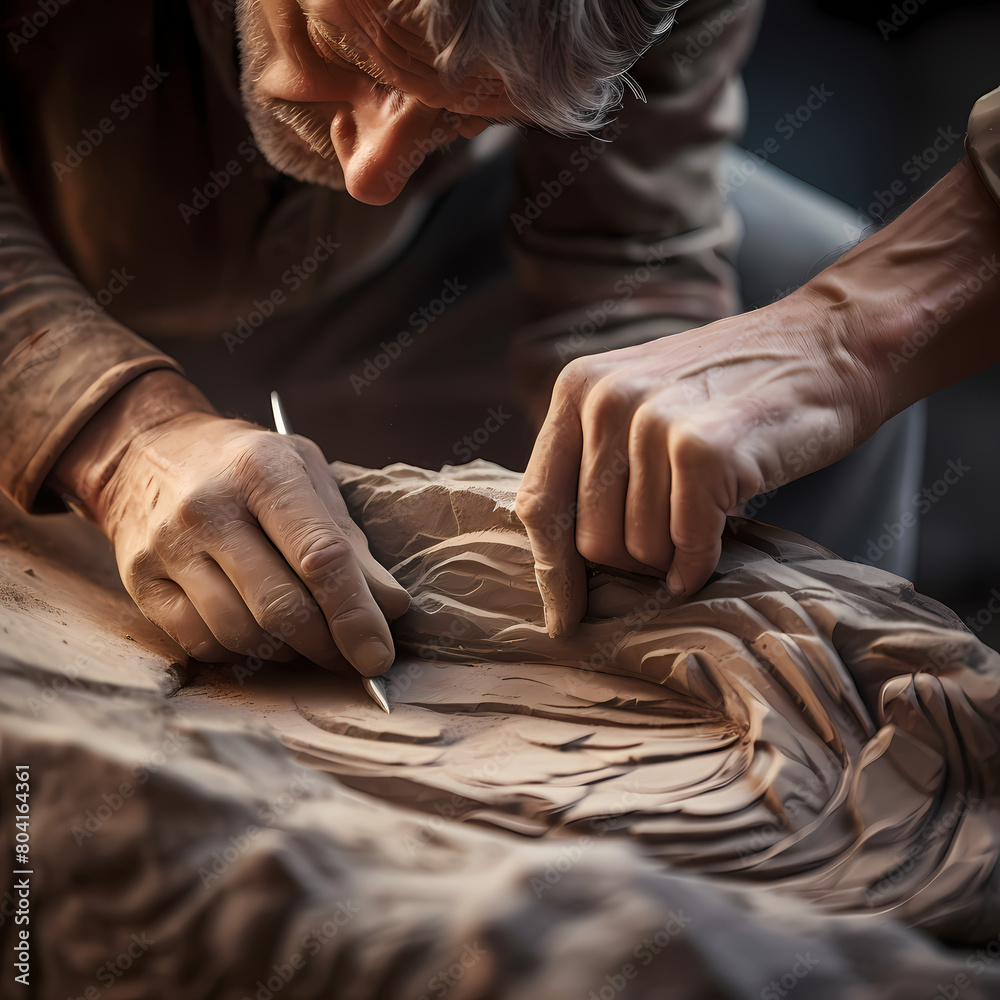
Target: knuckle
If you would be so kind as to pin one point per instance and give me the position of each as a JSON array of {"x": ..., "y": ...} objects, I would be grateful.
[
  {"x": 257, "y": 460},
  {"x": 307, "y": 448},
  {"x": 697, "y": 549},
  {"x": 261, "y": 455},
  {"x": 277, "y": 609},
  {"x": 572, "y": 379},
  {"x": 201, "y": 508},
  {"x": 350, "y": 620},
  {"x": 693, "y": 449},
  {"x": 138, "y": 572},
  {"x": 649, "y": 419},
  {"x": 612, "y": 396},
  {"x": 325, "y": 556},
  {"x": 531, "y": 507}
]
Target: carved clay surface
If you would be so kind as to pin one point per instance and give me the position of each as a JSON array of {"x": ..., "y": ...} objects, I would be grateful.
[{"x": 781, "y": 777}]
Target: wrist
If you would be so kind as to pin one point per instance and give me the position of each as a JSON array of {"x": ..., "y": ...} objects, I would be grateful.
[
  {"x": 917, "y": 299},
  {"x": 149, "y": 401}
]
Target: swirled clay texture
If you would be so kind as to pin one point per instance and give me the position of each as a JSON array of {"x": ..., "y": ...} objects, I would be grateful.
[{"x": 789, "y": 779}]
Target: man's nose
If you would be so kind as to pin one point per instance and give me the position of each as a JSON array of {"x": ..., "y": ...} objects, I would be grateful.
[{"x": 379, "y": 146}]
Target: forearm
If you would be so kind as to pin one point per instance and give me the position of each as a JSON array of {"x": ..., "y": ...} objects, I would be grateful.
[
  {"x": 63, "y": 356},
  {"x": 918, "y": 302}
]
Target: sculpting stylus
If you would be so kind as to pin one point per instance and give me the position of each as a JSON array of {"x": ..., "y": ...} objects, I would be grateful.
[{"x": 375, "y": 686}]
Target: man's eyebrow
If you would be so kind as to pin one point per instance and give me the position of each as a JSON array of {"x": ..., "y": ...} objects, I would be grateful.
[{"x": 338, "y": 40}]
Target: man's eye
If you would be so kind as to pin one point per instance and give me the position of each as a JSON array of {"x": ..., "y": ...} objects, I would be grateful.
[{"x": 323, "y": 48}]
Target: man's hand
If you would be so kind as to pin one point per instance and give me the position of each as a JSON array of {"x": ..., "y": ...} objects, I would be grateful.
[
  {"x": 645, "y": 450},
  {"x": 228, "y": 536}
]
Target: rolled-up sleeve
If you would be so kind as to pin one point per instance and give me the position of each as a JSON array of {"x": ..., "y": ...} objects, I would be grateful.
[{"x": 63, "y": 355}]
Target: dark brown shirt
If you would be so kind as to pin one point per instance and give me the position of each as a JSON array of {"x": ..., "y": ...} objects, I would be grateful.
[{"x": 134, "y": 204}]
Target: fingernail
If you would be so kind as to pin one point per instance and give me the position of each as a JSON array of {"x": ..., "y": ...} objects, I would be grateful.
[
  {"x": 373, "y": 658},
  {"x": 674, "y": 583}
]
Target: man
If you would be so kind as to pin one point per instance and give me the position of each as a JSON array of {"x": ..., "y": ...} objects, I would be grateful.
[
  {"x": 128, "y": 143},
  {"x": 134, "y": 159}
]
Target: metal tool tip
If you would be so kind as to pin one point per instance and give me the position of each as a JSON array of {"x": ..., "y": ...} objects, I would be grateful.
[
  {"x": 281, "y": 423},
  {"x": 375, "y": 686}
]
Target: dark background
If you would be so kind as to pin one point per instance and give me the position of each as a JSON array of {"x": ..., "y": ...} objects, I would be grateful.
[{"x": 894, "y": 86}]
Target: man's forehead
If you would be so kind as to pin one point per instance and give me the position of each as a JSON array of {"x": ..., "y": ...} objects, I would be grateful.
[{"x": 396, "y": 31}]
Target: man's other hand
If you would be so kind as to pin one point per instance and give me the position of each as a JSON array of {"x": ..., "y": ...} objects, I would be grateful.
[
  {"x": 645, "y": 450},
  {"x": 228, "y": 536}
]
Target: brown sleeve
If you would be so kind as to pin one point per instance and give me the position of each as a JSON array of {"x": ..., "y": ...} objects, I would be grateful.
[
  {"x": 63, "y": 355},
  {"x": 983, "y": 140},
  {"x": 620, "y": 242}
]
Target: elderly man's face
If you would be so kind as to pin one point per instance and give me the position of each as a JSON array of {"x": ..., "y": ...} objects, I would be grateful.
[{"x": 338, "y": 90}]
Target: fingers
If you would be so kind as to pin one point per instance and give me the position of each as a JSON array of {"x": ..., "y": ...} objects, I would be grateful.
[
  {"x": 546, "y": 504},
  {"x": 317, "y": 549},
  {"x": 647, "y": 506},
  {"x": 168, "y": 607},
  {"x": 603, "y": 485},
  {"x": 274, "y": 599},
  {"x": 698, "y": 504},
  {"x": 225, "y": 610},
  {"x": 390, "y": 596}
]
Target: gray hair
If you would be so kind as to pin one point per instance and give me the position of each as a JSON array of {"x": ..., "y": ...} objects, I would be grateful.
[{"x": 564, "y": 63}]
